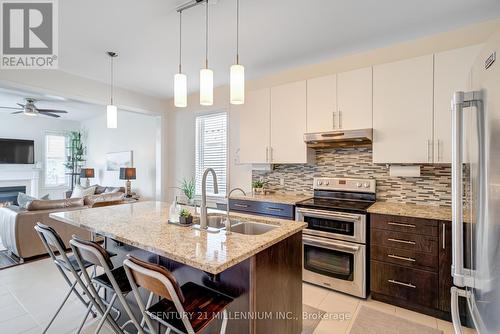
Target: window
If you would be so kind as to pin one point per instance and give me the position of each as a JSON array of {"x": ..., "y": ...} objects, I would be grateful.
[
  {"x": 211, "y": 150},
  {"x": 55, "y": 157}
]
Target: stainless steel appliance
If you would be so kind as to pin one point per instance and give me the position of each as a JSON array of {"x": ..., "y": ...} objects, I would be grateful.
[
  {"x": 339, "y": 138},
  {"x": 334, "y": 242},
  {"x": 476, "y": 148}
]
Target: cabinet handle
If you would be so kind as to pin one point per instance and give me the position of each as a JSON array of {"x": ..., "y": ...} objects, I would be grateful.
[
  {"x": 271, "y": 154},
  {"x": 439, "y": 150},
  {"x": 401, "y": 224},
  {"x": 274, "y": 209},
  {"x": 444, "y": 236},
  {"x": 267, "y": 153},
  {"x": 429, "y": 145},
  {"x": 340, "y": 119},
  {"x": 240, "y": 205},
  {"x": 408, "y": 285},
  {"x": 333, "y": 120},
  {"x": 397, "y": 257},
  {"x": 402, "y": 241}
]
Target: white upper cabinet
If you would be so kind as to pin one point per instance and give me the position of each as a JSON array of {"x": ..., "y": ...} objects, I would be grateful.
[
  {"x": 451, "y": 74},
  {"x": 255, "y": 118},
  {"x": 322, "y": 104},
  {"x": 288, "y": 123},
  {"x": 403, "y": 111},
  {"x": 354, "y": 99}
]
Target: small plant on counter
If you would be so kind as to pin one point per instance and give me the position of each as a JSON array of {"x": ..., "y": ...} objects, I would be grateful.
[
  {"x": 258, "y": 186},
  {"x": 185, "y": 217},
  {"x": 188, "y": 188}
]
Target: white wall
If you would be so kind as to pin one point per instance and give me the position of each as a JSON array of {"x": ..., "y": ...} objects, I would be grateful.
[
  {"x": 136, "y": 132},
  {"x": 34, "y": 128}
]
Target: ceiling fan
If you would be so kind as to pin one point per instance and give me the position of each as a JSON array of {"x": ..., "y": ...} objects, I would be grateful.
[{"x": 31, "y": 110}]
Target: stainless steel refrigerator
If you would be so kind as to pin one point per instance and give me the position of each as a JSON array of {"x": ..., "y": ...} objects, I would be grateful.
[{"x": 476, "y": 194}]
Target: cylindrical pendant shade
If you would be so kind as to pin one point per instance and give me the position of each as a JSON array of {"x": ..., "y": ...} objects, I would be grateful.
[
  {"x": 180, "y": 90},
  {"x": 206, "y": 87},
  {"x": 112, "y": 116},
  {"x": 237, "y": 84}
]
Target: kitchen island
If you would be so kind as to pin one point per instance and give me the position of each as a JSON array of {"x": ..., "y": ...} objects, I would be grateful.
[{"x": 263, "y": 273}]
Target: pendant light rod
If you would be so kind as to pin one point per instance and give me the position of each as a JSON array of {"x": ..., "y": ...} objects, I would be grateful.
[
  {"x": 180, "y": 42},
  {"x": 237, "y": 32},
  {"x": 112, "y": 55},
  {"x": 206, "y": 34}
]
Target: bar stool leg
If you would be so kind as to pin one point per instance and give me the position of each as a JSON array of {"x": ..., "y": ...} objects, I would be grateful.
[
  {"x": 224, "y": 322},
  {"x": 72, "y": 287},
  {"x": 106, "y": 313}
]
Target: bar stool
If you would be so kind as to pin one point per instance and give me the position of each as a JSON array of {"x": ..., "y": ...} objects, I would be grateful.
[
  {"x": 64, "y": 263},
  {"x": 186, "y": 309},
  {"x": 113, "y": 279}
]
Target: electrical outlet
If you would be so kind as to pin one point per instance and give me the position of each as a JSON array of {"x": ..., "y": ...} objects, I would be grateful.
[{"x": 282, "y": 182}]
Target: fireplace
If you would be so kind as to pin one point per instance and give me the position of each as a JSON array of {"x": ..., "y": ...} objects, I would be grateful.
[{"x": 8, "y": 195}]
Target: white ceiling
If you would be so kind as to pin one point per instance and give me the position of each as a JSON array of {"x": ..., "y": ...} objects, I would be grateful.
[
  {"x": 77, "y": 111},
  {"x": 275, "y": 34}
]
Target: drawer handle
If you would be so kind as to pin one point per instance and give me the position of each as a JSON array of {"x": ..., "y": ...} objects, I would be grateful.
[
  {"x": 240, "y": 205},
  {"x": 408, "y": 242},
  {"x": 408, "y": 285},
  {"x": 402, "y": 225},
  {"x": 409, "y": 259},
  {"x": 274, "y": 209}
]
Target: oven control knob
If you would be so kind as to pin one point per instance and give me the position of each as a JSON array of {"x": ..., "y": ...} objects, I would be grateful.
[
  {"x": 320, "y": 183},
  {"x": 358, "y": 184},
  {"x": 366, "y": 185},
  {"x": 327, "y": 183}
]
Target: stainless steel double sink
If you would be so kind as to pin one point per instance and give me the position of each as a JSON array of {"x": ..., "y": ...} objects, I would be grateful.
[{"x": 217, "y": 223}]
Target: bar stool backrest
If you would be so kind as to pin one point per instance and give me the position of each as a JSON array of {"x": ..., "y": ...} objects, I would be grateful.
[
  {"x": 51, "y": 239},
  {"x": 154, "y": 278},
  {"x": 92, "y": 252}
]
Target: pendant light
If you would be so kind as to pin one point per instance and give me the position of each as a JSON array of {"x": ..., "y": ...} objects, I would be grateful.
[
  {"x": 237, "y": 71},
  {"x": 206, "y": 74},
  {"x": 111, "y": 109},
  {"x": 180, "y": 79}
]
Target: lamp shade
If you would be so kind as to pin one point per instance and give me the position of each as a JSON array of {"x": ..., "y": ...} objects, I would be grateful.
[
  {"x": 111, "y": 116},
  {"x": 127, "y": 173},
  {"x": 87, "y": 173},
  {"x": 237, "y": 84},
  {"x": 206, "y": 87},
  {"x": 180, "y": 90}
]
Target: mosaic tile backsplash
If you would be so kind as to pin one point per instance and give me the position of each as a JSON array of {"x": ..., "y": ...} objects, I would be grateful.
[{"x": 433, "y": 187}]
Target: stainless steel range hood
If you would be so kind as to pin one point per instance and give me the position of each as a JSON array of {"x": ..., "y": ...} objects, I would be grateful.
[{"x": 339, "y": 138}]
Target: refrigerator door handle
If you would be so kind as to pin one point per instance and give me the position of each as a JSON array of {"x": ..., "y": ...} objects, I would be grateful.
[
  {"x": 457, "y": 189},
  {"x": 461, "y": 276},
  {"x": 455, "y": 314}
]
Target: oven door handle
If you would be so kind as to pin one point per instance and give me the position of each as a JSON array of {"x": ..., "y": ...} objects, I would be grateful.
[
  {"x": 328, "y": 214},
  {"x": 330, "y": 245}
]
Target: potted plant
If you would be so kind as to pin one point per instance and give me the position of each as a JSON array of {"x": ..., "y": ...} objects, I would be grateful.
[
  {"x": 188, "y": 188},
  {"x": 185, "y": 217},
  {"x": 258, "y": 187}
]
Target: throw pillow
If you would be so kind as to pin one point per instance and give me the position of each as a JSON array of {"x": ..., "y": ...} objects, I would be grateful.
[
  {"x": 23, "y": 200},
  {"x": 111, "y": 190},
  {"x": 80, "y": 192}
]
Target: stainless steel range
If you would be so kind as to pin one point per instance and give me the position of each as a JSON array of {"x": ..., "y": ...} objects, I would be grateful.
[{"x": 334, "y": 243}]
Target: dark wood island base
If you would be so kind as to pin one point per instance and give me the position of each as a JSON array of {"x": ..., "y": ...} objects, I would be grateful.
[{"x": 267, "y": 287}]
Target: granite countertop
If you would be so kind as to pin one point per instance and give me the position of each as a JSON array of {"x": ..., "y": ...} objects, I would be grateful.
[
  {"x": 412, "y": 210},
  {"x": 144, "y": 225},
  {"x": 280, "y": 198}
]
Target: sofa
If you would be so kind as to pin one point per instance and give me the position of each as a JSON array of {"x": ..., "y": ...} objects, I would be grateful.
[{"x": 17, "y": 224}]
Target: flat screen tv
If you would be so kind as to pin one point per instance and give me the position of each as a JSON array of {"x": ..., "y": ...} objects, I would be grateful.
[{"x": 17, "y": 151}]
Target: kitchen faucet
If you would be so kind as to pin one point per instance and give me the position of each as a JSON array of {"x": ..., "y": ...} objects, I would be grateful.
[
  {"x": 228, "y": 222},
  {"x": 203, "y": 207}
]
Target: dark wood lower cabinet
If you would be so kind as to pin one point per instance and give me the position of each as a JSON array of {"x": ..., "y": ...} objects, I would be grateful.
[{"x": 414, "y": 271}]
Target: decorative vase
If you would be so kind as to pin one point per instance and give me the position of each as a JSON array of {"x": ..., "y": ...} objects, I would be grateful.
[
  {"x": 185, "y": 220},
  {"x": 258, "y": 191}
]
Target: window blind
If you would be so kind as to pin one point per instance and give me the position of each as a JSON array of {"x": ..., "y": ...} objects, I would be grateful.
[
  {"x": 211, "y": 151},
  {"x": 55, "y": 157}
]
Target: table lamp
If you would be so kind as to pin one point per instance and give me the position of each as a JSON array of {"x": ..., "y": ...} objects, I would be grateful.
[
  {"x": 127, "y": 173},
  {"x": 87, "y": 173}
]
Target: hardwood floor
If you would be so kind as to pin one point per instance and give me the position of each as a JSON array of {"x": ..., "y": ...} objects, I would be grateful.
[{"x": 30, "y": 293}]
